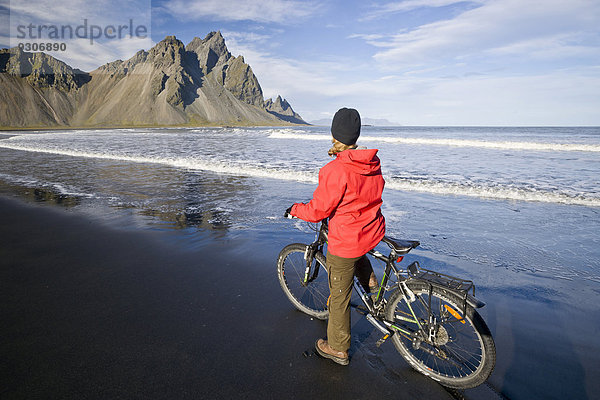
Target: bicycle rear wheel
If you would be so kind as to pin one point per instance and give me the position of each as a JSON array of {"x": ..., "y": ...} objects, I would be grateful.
[
  {"x": 460, "y": 352},
  {"x": 312, "y": 297}
]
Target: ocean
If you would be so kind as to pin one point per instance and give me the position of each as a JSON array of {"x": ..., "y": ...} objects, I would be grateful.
[
  {"x": 515, "y": 209},
  {"x": 525, "y": 199}
]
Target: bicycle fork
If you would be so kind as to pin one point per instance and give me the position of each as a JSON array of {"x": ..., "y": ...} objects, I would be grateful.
[{"x": 309, "y": 256}]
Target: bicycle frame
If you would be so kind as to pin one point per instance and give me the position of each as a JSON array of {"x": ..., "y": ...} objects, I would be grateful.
[
  {"x": 379, "y": 302},
  {"x": 375, "y": 307}
]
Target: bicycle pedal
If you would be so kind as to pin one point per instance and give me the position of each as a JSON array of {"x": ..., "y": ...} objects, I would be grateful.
[{"x": 383, "y": 339}]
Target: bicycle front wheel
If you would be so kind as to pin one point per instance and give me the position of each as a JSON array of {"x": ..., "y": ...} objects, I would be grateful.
[
  {"x": 310, "y": 298},
  {"x": 454, "y": 349}
]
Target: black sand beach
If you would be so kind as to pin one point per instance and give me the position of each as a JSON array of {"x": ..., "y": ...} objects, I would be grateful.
[
  {"x": 90, "y": 311},
  {"x": 93, "y": 310}
]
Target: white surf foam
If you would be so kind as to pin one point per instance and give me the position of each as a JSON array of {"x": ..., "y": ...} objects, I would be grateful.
[
  {"x": 230, "y": 168},
  {"x": 404, "y": 184},
  {"x": 506, "y": 145},
  {"x": 490, "y": 192}
]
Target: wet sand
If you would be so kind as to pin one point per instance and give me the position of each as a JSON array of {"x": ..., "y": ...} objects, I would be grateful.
[
  {"x": 94, "y": 311},
  {"x": 90, "y": 311}
]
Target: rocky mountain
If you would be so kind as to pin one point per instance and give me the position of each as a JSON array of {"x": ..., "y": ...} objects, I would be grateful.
[
  {"x": 170, "y": 84},
  {"x": 283, "y": 110}
]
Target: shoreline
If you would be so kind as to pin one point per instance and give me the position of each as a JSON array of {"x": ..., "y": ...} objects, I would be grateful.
[{"x": 87, "y": 127}]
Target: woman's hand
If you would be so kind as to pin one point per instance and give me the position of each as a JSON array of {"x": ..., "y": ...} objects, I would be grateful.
[{"x": 288, "y": 212}]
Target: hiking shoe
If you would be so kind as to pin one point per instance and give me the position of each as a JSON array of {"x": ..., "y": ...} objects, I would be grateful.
[{"x": 324, "y": 350}]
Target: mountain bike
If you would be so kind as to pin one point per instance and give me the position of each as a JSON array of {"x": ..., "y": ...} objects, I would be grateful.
[{"x": 430, "y": 317}]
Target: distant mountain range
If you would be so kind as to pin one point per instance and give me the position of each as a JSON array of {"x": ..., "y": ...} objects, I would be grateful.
[
  {"x": 364, "y": 121},
  {"x": 170, "y": 84}
]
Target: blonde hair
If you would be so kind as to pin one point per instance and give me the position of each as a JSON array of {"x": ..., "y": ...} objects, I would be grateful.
[{"x": 338, "y": 147}]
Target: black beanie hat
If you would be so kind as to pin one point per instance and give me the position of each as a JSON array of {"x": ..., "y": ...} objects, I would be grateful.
[{"x": 345, "y": 126}]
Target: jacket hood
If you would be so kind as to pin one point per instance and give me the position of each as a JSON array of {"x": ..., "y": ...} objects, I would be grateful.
[{"x": 363, "y": 162}]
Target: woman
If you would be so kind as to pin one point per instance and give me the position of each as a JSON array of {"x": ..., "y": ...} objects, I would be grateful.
[{"x": 349, "y": 194}]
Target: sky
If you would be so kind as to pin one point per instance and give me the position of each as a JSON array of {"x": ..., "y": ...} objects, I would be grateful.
[{"x": 412, "y": 62}]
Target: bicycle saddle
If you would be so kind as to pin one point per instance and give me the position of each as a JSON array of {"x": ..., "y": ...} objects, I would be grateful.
[{"x": 400, "y": 246}]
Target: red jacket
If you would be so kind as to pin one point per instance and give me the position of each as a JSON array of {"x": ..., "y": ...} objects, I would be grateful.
[{"x": 349, "y": 192}]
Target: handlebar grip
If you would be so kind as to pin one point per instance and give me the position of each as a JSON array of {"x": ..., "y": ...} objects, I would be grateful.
[{"x": 287, "y": 214}]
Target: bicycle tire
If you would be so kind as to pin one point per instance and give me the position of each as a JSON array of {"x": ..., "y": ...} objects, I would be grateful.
[
  {"x": 312, "y": 298},
  {"x": 465, "y": 341}
]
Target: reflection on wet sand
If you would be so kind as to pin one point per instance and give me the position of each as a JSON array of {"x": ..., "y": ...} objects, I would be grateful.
[
  {"x": 205, "y": 220},
  {"x": 169, "y": 198},
  {"x": 40, "y": 194}
]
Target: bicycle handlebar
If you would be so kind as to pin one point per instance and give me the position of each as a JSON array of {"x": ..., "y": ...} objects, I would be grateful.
[{"x": 289, "y": 216}]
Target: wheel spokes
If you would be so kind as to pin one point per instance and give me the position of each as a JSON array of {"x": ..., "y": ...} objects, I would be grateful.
[
  {"x": 312, "y": 294},
  {"x": 455, "y": 350}
]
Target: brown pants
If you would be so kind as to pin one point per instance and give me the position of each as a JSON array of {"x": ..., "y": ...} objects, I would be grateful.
[{"x": 341, "y": 272}]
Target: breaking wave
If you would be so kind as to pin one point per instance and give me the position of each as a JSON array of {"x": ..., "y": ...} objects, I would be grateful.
[
  {"x": 496, "y": 192},
  {"x": 220, "y": 167},
  {"x": 501, "y": 145}
]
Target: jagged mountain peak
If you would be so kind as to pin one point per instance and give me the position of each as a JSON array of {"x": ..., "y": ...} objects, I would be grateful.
[
  {"x": 215, "y": 36},
  {"x": 279, "y": 104},
  {"x": 214, "y": 40},
  {"x": 170, "y": 49},
  {"x": 210, "y": 51},
  {"x": 170, "y": 40},
  {"x": 282, "y": 109},
  {"x": 282, "y": 103}
]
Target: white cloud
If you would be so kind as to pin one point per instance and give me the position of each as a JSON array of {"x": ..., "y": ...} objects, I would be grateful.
[
  {"x": 246, "y": 37},
  {"x": 499, "y": 24},
  {"x": 408, "y": 5},
  {"x": 374, "y": 39},
  {"x": 279, "y": 11},
  {"x": 285, "y": 76},
  {"x": 560, "y": 46},
  {"x": 82, "y": 53},
  {"x": 75, "y": 11},
  {"x": 50, "y": 12}
]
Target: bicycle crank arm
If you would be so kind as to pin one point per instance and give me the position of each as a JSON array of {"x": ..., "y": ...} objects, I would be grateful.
[{"x": 387, "y": 333}]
